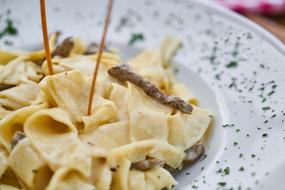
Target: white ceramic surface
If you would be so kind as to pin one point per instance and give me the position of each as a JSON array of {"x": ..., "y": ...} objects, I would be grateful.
[{"x": 226, "y": 60}]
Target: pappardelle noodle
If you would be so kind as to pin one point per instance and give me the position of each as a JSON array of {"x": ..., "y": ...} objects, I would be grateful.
[{"x": 129, "y": 142}]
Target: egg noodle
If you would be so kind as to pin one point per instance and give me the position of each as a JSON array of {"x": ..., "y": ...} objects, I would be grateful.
[{"x": 129, "y": 142}]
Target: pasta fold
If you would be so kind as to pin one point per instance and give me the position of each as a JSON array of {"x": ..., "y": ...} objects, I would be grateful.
[
  {"x": 18, "y": 71},
  {"x": 101, "y": 174},
  {"x": 14, "y": 122},
  {"x": 3, "y": 160},
  {"x": 66, "y": 179},
  {"x": 187, "y": 129},
  {"x": 54, "y": 135},
  {"x": 31, "y": 168},
  {"x": 128, "y": 142},
  {"x": 139, "y": 150},
  {"x": 108, "y": 136}
]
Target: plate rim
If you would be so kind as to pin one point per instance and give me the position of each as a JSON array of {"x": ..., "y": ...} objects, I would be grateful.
[{"x": 242, "y": 21}]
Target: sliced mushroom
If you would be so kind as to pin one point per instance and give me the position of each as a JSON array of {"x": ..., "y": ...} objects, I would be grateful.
[
  {"x": 5, "y": 86},
  {"x": 17, "y": 137},
  {"x": 147, "y": 164},
  {"x": 92, "y": 49},
  {"x": 124, "y": 72},
  {"x": 194, "y": 152},
  {"x": 64, "y": 48}
]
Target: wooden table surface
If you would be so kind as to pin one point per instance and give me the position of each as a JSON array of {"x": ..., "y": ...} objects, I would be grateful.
[{"x": 279, "y": 19}]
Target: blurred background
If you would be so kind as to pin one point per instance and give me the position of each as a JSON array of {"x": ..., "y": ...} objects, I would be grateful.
[{"x": 268, "y": 13}]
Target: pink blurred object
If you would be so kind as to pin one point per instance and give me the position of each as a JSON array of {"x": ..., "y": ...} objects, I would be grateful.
[{"x": 260, "y": 6}]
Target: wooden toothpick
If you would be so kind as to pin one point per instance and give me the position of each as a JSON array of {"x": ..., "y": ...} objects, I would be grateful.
[
  {"x": 101, "y": 48},
  {"x": 45, "y": 36}
]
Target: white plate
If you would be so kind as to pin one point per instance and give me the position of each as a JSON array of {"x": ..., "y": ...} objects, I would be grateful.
[{"x": 212, "y": 38}]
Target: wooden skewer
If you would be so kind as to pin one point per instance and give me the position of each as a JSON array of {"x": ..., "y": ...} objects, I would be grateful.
[
  {"x": 45, "y": 36},
  {"x": 101, "y": 48}
]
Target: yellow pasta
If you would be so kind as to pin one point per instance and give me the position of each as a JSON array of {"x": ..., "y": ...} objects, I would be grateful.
[
  {"x": 14, "y": 122},
  {"x": 3, "y": 160},
  {"x": 159, "y": 178},
  {"x": 6, "y": 57},
  {"x": 18, "y": 71},
  {"x": 31, "y": 168},
  {"x": 101, "y": 175},
  {"x": 8, "y": 187},
  {"x": 121, "y": 176},
  {"x": 137, "y": 180},
  {"x": 63, "y": 148},
  {"x": 66, "y": 179},
  {"x": 53, "y": 134}
]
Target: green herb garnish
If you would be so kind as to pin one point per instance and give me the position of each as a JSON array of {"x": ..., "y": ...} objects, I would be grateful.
[
  {"x": 270, "y": 93},
  {"x": 135, "y": 38},
  {"x": 9, "y": 29},
  {"x": 222, "y": 184},
  {"x": 227, "y": 171},
  {"x": 223, "y": 172},
  {"x": 266, "y": 108},
  {"x": 232, "y": 64}
]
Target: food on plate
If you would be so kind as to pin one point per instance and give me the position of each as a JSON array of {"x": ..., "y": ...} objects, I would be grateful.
[{"x": 144, "y": 123}]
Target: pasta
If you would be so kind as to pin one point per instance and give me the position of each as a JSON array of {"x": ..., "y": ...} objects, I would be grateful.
[{"x": 130, "y": 140}]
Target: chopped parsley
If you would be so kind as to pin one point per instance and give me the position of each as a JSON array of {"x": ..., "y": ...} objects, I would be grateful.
[
  {"x": 228, "y": 125},
  {"x": 9, "y": 29},
  {"x": 270, "y": 93},
  {"x": 204, "y": 157},
  {"x": 266, "y": 108},
  {"x": 241, "y": 169},
  {"x": 135, "y": 37},
  {"x": 213, "y": 57},
  {"x": 225, "y": 171},
  {"x": 222, "y": 184},
  {"x": 264, "y": 135},
  {"x": 232, "y": 64}
]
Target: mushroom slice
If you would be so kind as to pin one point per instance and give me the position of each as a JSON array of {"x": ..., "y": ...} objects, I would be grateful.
[
  {"x": 65, "y": 48},
  {"x": 147, "y": 164},
  {"x": 194, "y": 152}
]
